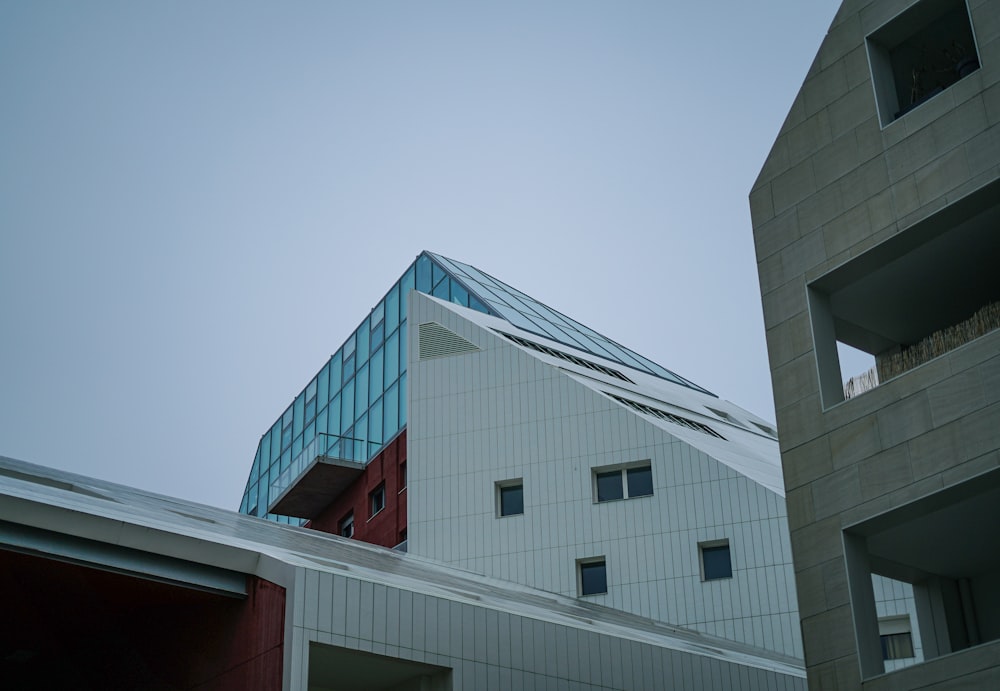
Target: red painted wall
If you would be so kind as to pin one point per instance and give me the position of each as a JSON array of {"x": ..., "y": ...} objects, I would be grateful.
[
  {"x": 77, "y": 627},
  {"x": 388, "y": 526}
]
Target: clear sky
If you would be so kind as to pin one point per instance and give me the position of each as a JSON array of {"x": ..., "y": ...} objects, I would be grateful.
[{"x": 200, "y": 200}]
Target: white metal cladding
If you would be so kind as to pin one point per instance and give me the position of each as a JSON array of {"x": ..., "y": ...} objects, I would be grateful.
[
  {"x": 507, "y": 413},
  {"x": 437, "y": 341}
]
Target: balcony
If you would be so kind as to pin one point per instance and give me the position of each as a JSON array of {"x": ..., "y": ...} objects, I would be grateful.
[{"x": 325, "y": 468}]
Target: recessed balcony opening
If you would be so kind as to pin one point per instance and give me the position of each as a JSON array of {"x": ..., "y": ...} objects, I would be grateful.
[
  {"x": 918, "y": 295},
  {"x": 947, "y": 546},
  {"x": 919, "y": 54}
]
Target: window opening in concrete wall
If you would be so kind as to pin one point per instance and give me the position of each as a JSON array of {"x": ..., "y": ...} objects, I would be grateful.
[
  {"x": 947, "y": 546},
  {"x": 920, "y": 53},
  {"x": 377, "y": 499},
  {"x": 857, "y": 370},
  {"x": 623, "y": 482},
  {"x": 510, "y": 497},
  {"x": 346, "y": 526},
  {"x": 716, "y": 561},
  {"x": 927, "y": 290},
  {"x": 592, "y": 575}
]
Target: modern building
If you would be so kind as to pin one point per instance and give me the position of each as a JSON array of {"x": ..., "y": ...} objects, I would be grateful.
[
  {"x": 107, "y": 587},
  {"x": 876, "y": 218},
  {"x": 480, "y": 428}
]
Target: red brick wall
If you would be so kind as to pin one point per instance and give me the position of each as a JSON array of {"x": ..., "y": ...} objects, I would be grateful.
[{"x": 388, "y": 526}]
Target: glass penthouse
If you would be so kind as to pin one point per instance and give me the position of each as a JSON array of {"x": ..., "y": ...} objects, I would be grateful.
[{"x": 355, "y": 406}]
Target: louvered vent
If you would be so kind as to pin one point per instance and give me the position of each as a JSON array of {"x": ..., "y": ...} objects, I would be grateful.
[{"x": 437, "y": 341}]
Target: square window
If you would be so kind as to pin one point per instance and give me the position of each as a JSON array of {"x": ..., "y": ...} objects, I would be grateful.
[
  {"x": 346, "y": 527},
  {"x": 593, "y": 576},
  {"x": 377, "y": 498},
  {"x": 640, "y": 481},
  {"x": 716, "y": 562},
  {"x": 510, "y": 498},
  {"x": 920, "y": 53}
]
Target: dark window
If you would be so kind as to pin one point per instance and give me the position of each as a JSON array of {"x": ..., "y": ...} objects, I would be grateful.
[
  {"x": 593, "y": 577},
  {"x": 640, "y": 481},
  {"x": 402, "y": 476},
  {"x": 609, "y": 486},
  {"x": 622, "y": 483},
  {"x": 346, "y": 527},
  {"x": 716, "y": 561},
  {"x": 511, "y": 499},
  {"x": 378, "y": 499},
  {"x": 897, "y": 646}
]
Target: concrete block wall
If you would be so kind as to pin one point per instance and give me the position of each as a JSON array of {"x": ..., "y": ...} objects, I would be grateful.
[
  {"x": 499, "y": 414},
  {"x": 836, "y": 184}
]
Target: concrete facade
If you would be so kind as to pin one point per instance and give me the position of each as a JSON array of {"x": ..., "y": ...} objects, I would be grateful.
[{"x": 876, "y": 228}]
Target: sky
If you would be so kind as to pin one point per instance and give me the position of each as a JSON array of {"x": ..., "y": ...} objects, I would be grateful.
[{"x": 199, "y": 201}]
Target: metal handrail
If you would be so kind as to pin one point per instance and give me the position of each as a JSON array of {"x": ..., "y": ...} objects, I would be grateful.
[{"x": 323, "y": 445}]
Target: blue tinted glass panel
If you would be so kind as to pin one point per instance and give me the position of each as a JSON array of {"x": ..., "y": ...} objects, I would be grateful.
[
  {"x": 363, "y": 333},
  {"x": 392, "y": 309},
  {"x": 255, "y": 468},
  {"x": 275, "y": 441},
  {"x": 336, "y": 371},
  {"x": 392, "y": 358},
  {"x": 309, "y": 434},
  {"x": 442, "y": 289},
  {"x": 347, "y": 406},
  {"x": 406, "y": 284},
  {"x": 361, "y": 391},
  {"x": 348, "y": 367},
  {"x": 437, "y": 274},
  {"x": 349, "y": 346},
  {"x": 459, "y": 295},
  {"x": 378, "y": 314},
  {"x": 323, "y": 388},
  {"x": 286, "y": 460},
  {"x": 286, "y": 437},
  {"x": 333, "y": 425},
  {"x": 297, "y": 446},
  {"x": 262, "y": 497},
  {"x": 475, "y": 304},
  {"x": 424, "y": 274},
  {"x": 378, "y": 334},
  {"x": 375, "y": 422},
  {"x": 361, "y": 434},
  {"x": 402, "y": 347},
  {"x": 321, "y": 421},
  {"x": 310, "y": 409},
  {"x": 402, "y": 400},
  {"x": 297, "y": 420},
  {"x": 390, "y": 413},
  {"x": 375, "y": 384}
]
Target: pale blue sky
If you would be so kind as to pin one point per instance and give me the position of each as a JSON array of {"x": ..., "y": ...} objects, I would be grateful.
[{"x": 199, "y": 201}]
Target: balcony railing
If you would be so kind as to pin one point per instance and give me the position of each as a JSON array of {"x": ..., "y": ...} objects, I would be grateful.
[{"x": 324, "y": 466}]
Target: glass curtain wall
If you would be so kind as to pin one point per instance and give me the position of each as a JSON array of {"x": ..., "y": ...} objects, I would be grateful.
[{"x": 359, "y": 396}]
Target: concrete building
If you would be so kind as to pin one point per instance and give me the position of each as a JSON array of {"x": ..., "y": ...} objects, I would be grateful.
[
  {"x": 480, "y": 428},
  {"x": 107, "y": 587},
  {"x": 875, "y": 220}
]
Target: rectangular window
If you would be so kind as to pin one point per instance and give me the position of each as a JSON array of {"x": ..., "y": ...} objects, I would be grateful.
[
  {"x": 510, "y": 498},
  {"x": 716, "y": 562},
  {"x": 593, "y": 575},
  {"x": 896, "y": 638},
  {"x": 402, "y": 476},
  {"x": 377, "y": 499},
  {"x": 346, "y": 527},
  {"x": 623, "y": 482}
]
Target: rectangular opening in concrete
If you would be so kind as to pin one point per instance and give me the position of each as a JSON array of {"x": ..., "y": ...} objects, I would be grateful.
[
  {"x": 920, "y": 53},
  {"x": 947, "y": 547},
  {"x": 923, "y": 292}
]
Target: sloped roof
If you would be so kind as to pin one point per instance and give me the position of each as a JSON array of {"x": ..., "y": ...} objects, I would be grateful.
[{"x": 93, "y": 509}]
